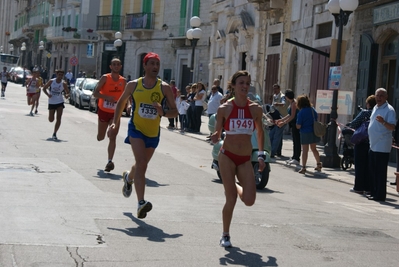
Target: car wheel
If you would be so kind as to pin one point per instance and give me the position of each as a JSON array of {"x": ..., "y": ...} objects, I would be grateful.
[{"x": 80, "y": 104}]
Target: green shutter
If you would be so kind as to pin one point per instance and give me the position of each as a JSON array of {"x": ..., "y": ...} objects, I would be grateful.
[
  {"x": 147, "y": 9},
  {"x": 183, "y": 15},
  {"x": 196, "y": 8},
  {"x": 147, "y": 6},
  {"x": 77, "y": 21},
  {"x": 116, "y": 15}
]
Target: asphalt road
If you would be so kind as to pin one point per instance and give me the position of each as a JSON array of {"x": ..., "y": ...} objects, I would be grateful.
[{"x": 58, "y": 208}]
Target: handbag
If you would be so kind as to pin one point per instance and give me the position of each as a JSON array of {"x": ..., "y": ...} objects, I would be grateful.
[
  {"x": 319, "y": 128},
  {"x": 361, "y": 134}
]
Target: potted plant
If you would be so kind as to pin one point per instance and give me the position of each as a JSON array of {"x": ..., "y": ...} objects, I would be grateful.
[
  {"x": 89, "y": 30},
  {"x": 76, "y": 35}
]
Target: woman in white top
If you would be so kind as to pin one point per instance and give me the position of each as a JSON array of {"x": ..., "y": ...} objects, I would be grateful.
[
  {"x": 199, "y": 100},
  {"x": 33, "y": 86}
]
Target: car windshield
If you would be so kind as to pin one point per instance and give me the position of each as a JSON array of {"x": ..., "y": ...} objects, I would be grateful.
[{"x": 90, "y": 86}]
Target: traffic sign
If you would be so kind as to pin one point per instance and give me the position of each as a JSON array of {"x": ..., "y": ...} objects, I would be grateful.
[
  {"x": 73, "y": 61},
  {"x": 324, "y": 102}
]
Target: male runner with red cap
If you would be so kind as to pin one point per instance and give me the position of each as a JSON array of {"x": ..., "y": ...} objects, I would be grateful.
[
  {"x": 149, "y": 94},
  {"x": 108, "y": 91}
]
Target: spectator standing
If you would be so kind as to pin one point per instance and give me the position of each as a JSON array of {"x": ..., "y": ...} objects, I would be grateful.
[
  {"x": 290, "y": 119},
  {"x": 182, "y": 108},
  {"x": 362, "y": 182},
  {"x": 281, "y": 105},
  {"x": 94, "y": 76},
  {"x": 216, "y": 82},
  {"x": 190, "y": 110},
  {"x": 174, "y": 91},
  {"x": 69, "y": 75},
  {"x": 44, "y": 75},
  {"x": 213, "y": 103},
  {"x": 276, "y": 133},
  {"x": 199, "y": 99},
  {"x": 307, "y": 115},
  {"x": 382, "y": 123},
  {"x": 80, "y": 74}
]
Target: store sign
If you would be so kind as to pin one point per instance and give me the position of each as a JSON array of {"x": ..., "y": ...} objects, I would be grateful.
[
  {"x": 109, "y": 47},
  {"x": 386, "y": 13}
]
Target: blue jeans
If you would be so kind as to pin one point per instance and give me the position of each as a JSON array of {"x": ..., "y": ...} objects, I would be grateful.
[{"x": 276, "y": 136}]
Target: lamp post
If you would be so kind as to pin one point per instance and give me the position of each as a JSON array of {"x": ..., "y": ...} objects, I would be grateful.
[
  {"x": 118, "y": 42},
  {"x": 23, "y": 49},
  {"x": 341, "y": 10},
  {"x": 41, "y": 48},
  {"x": 11, "y": 48},
  {"x": 193, "y": 34}
]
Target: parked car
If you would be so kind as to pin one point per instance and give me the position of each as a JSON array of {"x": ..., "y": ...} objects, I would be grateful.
[
  {"x": 74, "y": 87},
  {"x": 17, "y": 75},
  {"x": 93, "y": 104},
  {"x": 84, "y": 92}
]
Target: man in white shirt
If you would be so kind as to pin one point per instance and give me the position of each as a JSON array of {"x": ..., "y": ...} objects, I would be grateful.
[
  {"x": 214, "y": 102},
  {"x": 69, "y": 75}
]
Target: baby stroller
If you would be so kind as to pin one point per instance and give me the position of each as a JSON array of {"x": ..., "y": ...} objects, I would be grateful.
[{"x": 347, "y": 148}]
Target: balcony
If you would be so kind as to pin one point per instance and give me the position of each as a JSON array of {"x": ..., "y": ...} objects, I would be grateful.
[
  {"x": 109, "y": 23},
  {"x": 74, "y": 2},
  {"x": 140, "y": 21},
  {"x": 55, "y": 33},
  {"x": 38, "y": 22},
  {"x": 267, "y": 5},
  {"x": 81, "y": 36}
]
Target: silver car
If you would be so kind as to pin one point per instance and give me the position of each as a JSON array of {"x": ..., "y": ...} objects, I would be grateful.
[
  {"x": 84, "y": 92},
  {"x": 73, "y": 88}
]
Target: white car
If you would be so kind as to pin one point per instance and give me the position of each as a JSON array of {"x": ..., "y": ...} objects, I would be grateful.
[
  {"x": 73, "y": 88},
  {"x": 84, "y": 92}
]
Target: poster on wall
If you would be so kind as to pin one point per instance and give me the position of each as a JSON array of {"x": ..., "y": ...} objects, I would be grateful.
[{"x": 90, "y": 50}]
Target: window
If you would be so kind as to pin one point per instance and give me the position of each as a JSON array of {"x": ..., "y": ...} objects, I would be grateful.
[
  {"x": 324, "y": 30},
  {"x": 275, "y": 39},
  {"x": 188, "y": 9}
]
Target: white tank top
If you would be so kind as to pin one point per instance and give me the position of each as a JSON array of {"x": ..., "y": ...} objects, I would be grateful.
[
  {"x": 32, "y": 86},
  {"x": 56, "y": 92},
  {"x": 3, "y": 76}
]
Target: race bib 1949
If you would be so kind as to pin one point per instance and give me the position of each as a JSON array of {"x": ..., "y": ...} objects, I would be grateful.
[
  {"x": 241, "y": 125},
  {"x": 147, "y": 111},
  {"x": 109, "y": 105}
]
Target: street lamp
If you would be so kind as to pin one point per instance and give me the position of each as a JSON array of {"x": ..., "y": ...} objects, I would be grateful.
[
  {"x": 41, "y": 48},
  {"x": 341, "y": 10},
  {"x": 194, "y": 34},
  {"x": 118, "y": 42},
  {"x": 11, "y": 48},
  {"x": 23, "y": 49}
]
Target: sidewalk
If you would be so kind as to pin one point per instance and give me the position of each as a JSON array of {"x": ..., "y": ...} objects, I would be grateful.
[{"x": 336, "y": 174}]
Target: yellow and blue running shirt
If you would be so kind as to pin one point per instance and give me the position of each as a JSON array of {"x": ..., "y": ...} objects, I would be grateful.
[{"x": 145, "y": 117}]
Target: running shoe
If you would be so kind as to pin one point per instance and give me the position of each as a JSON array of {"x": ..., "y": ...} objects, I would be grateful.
[
  {"x": 109, "y": 167},
  {"x": 127, "y": 185},
  {"x": 54, "y": 136},
  {"x": 36, "y": 111},
  {"x": 143, "y": 209},
  {"x": 225, "y": 241},
  {"x": 31, "y": 113}
]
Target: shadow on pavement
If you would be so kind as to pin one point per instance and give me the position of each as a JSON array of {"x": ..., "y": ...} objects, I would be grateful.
[
  {"x": 236, "y": 256},
  {"x": 145, "y": 230},
  {"x": 108, "y": 175}
]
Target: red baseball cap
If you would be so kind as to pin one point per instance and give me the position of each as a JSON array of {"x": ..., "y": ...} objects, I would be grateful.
[{"x": 149, "y": 56}]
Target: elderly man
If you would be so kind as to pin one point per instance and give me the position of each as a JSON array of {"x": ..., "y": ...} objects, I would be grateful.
[
  {"x": 280, "y": 104},
  {"x": 382, "y": 123}
]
